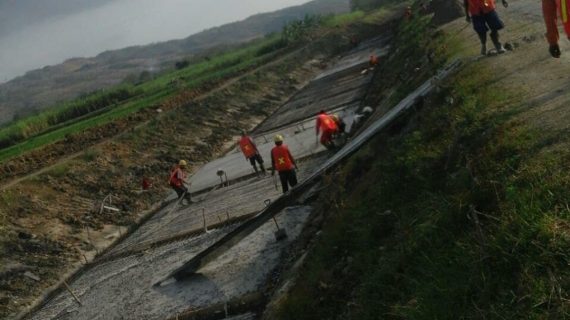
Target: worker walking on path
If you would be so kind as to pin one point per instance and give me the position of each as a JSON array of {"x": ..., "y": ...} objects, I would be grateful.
[
  {"x": 250, "y": 152},
  {"x": 178, "y": 181},
  {"x": 550, "y": 10},
  {"x": 284, "y": 163},
  {"x": 484, "y": 17},
  {"x": 328, "y": 127}
]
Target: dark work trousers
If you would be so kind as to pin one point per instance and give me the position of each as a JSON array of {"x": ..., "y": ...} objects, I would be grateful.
[
  {"x": 288, "y": 178},
  {"x": 181, "y": 190},
  {"x": 257, "y": 158}
]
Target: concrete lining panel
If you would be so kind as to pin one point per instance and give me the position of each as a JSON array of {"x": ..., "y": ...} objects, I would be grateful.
[{"x": 122, "y": 289}]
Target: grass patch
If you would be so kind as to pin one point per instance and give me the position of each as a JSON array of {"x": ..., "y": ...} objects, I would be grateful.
[
  {"x": 342, "y": 20},
  {"x": 59, "y": 170},
  {"x": 463, "y": 214},
  {"x": 37, "y": 131}
]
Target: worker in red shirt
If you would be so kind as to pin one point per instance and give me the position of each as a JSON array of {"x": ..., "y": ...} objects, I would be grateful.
[
  {"x": 328, "y": 127},
  {"x": 550, "y": 10},
  {"x": 484, "y": 17},
  {"x": 249, "y": 150},
  {"x": 373, "y": 61},
  {"x": 178, "y": 182},
  {"x": 284, "y": 163}
]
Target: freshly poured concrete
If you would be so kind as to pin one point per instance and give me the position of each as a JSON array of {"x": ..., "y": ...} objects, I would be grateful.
[
  {"x": 342, "y": 86},
  {"x": 237, "y": 200},
  {"x": 300, "y": 137},
  {"x": 120, "y": 285},
  {"x": 123, "y": 289}
]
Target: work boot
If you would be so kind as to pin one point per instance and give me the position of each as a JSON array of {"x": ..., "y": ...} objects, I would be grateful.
[
  {"x": 263, "y": 172},
  {"x": 554, "y": 50},
  {"x": 500, "y": 48},
  {"x": 483, "y": 39},
  {"x": 497, "y": 43},
  {"x": 483, "y": 50},
  {"x": 188, "y": 199}
]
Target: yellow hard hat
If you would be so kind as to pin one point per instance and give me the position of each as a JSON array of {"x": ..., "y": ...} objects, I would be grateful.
[
  {"x": 182, "y": 163},
  {"x": 278, "y": 138}
]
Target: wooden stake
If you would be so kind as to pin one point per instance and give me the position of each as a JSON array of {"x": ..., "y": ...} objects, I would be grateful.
[{"x": 73, "y": 294}]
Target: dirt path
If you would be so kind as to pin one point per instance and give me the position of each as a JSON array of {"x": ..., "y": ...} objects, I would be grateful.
[{"x": 540, "y": 80}]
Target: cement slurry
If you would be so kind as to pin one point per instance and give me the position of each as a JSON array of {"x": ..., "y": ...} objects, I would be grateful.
[
  {"x": 122, "y": 286},
  {"x": 237, "y": 200},
  {"x": 300, "y": 137},
  {"x": 123, "y": 289}
]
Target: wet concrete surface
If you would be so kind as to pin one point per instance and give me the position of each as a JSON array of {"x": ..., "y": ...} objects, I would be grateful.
[
  {"x": 243, "y": 198},
  {"x": 300, "y": 137},
  {"x": 342, "y": 86},
  {"x": 120, "y": 285},
  {"x": 123, "y": 289}
]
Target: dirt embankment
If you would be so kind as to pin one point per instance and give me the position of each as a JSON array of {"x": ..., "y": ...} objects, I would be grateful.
[
  {"x": 460, "y": 211},
  {"x": 44, "y": 218}
]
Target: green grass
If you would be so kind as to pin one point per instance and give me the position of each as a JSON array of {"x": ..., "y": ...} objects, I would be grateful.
[
  {"x": 343, "y": 19},
  {"x": 152, "y": 93},
  {"x": 462, "y": 215}
]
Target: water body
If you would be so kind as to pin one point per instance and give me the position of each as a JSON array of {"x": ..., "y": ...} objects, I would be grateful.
[{"x": 39, "y": 40}]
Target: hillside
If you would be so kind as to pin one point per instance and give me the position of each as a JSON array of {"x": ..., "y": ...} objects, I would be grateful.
[
  {"x": 42, "y": 88},
  {"x": 448, "y": 201}
]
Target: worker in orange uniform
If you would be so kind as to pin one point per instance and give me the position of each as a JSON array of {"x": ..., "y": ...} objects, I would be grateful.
[
  {"x": 178, "y": 181},
  {"x": 484, "y": 17},
  {"x": 373, "y": 62},
  {"x": 408, "y": 13},
  {"x": 550, "y": 10},
  {"x": 284, "y": 163},
  {"x": 249, "y": 150},
  {"x": 339, "y": 123},
  {"x": 328, "y": 127}
]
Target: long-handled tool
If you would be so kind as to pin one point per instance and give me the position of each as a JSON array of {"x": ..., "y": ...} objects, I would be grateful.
[
  {"x": 280, "y": 234},
  {"x": 275, "y": 182}
]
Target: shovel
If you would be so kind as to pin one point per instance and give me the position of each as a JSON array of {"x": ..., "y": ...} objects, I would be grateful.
[
  {"x": 280, "y": 234},
  {"x": 275, "y": 183}
]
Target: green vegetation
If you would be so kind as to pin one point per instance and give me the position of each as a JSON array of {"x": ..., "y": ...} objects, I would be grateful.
[
  {"x": 460, "y": 214},
  {"x": 370, "y": 5},
  {"x": 300, "y": 29},
  {"x": 344, "y": 19},
  {"x": 107, "y": 106}
]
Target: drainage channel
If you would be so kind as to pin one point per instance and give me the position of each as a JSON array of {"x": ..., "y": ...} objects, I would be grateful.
[
  {"x": 240, "y": 255},
  {"x": 205, "y": 257}
]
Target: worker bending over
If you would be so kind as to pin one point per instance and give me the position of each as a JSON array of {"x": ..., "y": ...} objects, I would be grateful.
[
  {"x": 328, "y": 127},
  {"x": 550, "y": 10},
  {"x": 284, "y": 163},
  {"x": 250, "y": 152},
  {"x": 339, "y": 123},
  {"x": 178, "y": 181}
]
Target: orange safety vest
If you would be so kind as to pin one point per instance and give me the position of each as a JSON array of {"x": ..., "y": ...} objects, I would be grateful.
[
  {"x": 373, "y": 60},
  {"x": 326, "y": 123},
  {"x": 564, "y": 9},
  {"x": 282, "y": 160},
  {"x": 174, "y": 181},
  {"x": 478, "y": 7},
  {"x": 247, "y": 147}
]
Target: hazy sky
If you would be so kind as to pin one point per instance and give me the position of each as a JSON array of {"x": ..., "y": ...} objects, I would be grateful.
[{"x": 47, "y": 39}]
